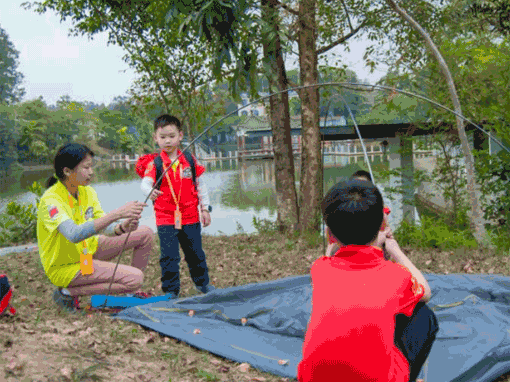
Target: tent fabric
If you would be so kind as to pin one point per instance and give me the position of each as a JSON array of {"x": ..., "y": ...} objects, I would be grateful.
[{"x": 264, "y": 324}]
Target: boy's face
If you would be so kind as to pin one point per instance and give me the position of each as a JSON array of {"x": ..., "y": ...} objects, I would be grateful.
[
  {"x": 362, "y": 178},
  {"x": 168, "y": 138}
]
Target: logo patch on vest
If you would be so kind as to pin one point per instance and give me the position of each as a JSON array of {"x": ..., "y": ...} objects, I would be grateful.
[
  {"x": 52, "y": 211},
  {"x": 89, "y": 213},
  {"x": 186, "y": 173}
]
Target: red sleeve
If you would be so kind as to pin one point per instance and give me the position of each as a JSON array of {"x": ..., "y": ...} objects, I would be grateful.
[
  {"x": 143, "y": 162},
  {"x": 150, "y": 171},
  {"x": 386, "y": 210},
  {"x": 413, "y": 292},
  {"x": 199, "y": 167}
]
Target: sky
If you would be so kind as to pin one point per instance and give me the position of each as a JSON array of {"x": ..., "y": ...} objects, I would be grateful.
[{"x": 56, "y": 64}]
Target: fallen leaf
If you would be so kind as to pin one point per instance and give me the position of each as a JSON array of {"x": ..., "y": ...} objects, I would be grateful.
[
  {"x": 468, "y": 267},
  {"x": 215, "y": 362},
  {"x": 66, "y": 372},
  {"x": 282, "y": 362},
  {"x": 244, "y": 321},
  {"x": 224, "y": 369},
  {"x": 258, "y": 379},
  {"x": 492, "y": 270},
  {"x": 196, "y": 331},
  {"x": 189, "y": 360},
  {"x": 69, "y": 331},
  {"x": 191, "y": 313},
  {"x": 244, "y": 367},
  {"x": 428, "y": 262}
]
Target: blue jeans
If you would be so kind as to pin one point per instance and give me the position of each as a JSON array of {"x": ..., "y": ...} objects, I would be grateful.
[
  {"x": 190, "y": 239},
  {"x": 415, "y": 335}
]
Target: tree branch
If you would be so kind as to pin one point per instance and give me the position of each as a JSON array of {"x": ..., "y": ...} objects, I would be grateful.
[
  {"x": 347, "y": 13},
  {"x": 340, "y": 40},
  {"x": 289, "y": 9}
]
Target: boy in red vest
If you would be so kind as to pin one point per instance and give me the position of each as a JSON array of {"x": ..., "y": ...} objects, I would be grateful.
[
  {"x": 369, "y": 321},
  {"x": 178, "y": 205}
]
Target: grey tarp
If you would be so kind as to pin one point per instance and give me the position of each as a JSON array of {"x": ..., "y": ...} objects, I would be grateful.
[{"x": 473, "y": 342}]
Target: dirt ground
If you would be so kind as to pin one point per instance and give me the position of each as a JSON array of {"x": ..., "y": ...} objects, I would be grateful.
[{"x": 41, "y": 343}]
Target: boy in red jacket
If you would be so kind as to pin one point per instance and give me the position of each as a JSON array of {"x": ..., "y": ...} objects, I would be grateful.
[
  {"x": 178, "y": 205},
  {"x": 369, "y": 320}
]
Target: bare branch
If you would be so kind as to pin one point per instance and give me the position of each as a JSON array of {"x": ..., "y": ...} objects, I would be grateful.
[
  {"x": 347, "y": 14},
  {"x": 340, "y": 40},
  {"x": 288, "y": 9}
]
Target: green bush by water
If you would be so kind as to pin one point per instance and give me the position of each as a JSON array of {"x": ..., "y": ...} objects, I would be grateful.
[{"x": 433, "y": 233}]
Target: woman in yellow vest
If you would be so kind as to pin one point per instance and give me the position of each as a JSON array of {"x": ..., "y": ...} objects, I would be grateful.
[{"x": 76, "y": 238}]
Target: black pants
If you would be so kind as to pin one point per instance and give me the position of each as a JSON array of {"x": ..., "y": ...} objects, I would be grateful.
[
  {"x": 190, "y": 239},
  {"x": 414, "y": 336}
]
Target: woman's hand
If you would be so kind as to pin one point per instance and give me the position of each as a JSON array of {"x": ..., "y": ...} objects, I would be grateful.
[
  {"x": 131, "y": 210},
  {"x": 130, "y": 225}
]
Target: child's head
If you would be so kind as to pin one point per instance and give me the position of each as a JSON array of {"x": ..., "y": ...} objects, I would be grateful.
[
  {"x": 168, "y": 132},
  {"x": 362, "y": 175},
  {"x": 353, "y": 211}
]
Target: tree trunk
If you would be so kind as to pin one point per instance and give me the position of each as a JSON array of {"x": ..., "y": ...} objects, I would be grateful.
[
  {"x": 286, "y": 196},
  {"x": 311, "y": 187},
  {"x": 476, "y": 212}
]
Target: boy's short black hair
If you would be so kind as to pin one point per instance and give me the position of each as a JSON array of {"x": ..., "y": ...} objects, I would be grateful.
[
  {"x": 165, "y": 120},
  {"x": 353, "y": 211},
  {"x": 363, "y": 174}
]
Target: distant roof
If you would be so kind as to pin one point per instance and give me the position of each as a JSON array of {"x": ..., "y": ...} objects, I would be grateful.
[{"x": 261, "y": 123}]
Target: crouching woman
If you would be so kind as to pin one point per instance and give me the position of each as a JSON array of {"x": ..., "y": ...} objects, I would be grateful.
[{"x": 76, "y": 238}]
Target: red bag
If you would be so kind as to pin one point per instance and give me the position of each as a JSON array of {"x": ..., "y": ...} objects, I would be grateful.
[{"x": 5, "y": 296}]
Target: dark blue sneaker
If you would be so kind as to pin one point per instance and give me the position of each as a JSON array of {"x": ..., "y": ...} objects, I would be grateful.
[
  {"x": 206, "y": 288},
  {"x": 67, "y": 303}
]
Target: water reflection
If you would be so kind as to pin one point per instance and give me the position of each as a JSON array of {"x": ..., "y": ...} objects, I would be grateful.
[{"x": 239, "y": 190}]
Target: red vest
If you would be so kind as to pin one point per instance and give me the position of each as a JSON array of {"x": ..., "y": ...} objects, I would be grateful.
[
  {"x": 350, "y": 336},
  {"x": 182, "y": 184}
]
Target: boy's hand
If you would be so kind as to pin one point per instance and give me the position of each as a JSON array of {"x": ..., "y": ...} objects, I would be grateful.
[
  {"x": 381, "y": 238},
  {"x": 332, "y": 249},
  {"x": 154, "y": 194},
  {"x": 206, "y": 218}
]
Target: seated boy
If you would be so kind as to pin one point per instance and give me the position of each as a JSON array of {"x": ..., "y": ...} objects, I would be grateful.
[{"x": 369, "y": 320}]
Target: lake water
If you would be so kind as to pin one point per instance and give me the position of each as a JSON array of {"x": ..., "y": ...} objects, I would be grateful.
[{"x": 239, "y": 191}]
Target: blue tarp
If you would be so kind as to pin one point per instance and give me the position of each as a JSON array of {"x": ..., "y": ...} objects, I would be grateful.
[{"x": 264, "y": 324}]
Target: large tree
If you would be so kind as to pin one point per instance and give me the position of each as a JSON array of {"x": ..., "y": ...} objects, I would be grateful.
[{"x": 10, "y": 78}]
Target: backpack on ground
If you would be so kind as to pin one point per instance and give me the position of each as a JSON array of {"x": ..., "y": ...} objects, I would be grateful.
[{"x": 5, "y": 296}]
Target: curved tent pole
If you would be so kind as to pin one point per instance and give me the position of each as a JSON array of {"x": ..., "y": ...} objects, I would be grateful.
[{"x": 348, "y": 85}]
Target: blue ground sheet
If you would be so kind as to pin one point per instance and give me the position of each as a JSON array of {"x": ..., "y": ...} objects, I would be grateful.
[{"x": 264, "y": 324}]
